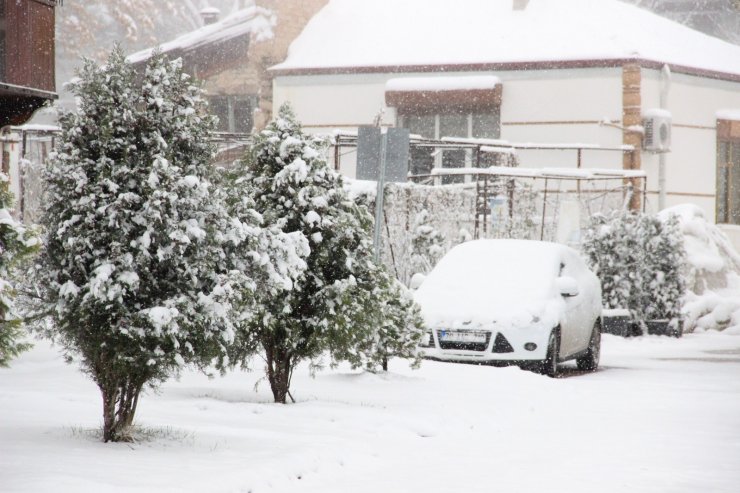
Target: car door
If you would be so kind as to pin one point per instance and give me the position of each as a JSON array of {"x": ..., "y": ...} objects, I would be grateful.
[{"x": 576, "y": 326}]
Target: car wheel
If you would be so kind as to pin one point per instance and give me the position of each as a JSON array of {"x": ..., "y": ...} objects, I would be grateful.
[
  {"x": 549, "y": 366},
  {"x": 590, "y": 360}
]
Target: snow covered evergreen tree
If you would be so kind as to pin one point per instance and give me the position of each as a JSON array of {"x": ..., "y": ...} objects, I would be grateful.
[
  {"x": 133, "y": 270},
  {"x": 639, "y": 261},
  {"x": 608, "y": 246},
  {"x": 336, "y": 304},
  {"x": 663, "y": 283},
  {"x": 427, "y": 244},
  {"x": 16, "y": 242},
  {"x": 398, "y": 328}
]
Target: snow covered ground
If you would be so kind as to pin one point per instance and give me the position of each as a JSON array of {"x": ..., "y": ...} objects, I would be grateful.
[{"x": 662, "y": 415}]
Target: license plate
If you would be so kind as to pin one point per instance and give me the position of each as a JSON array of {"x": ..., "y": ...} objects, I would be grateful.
[{"x": 462, "y": 336}]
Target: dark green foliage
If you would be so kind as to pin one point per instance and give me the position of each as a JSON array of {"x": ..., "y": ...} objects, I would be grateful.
[
  {"x": 16, "y": 243},
  {"x": 132, "y": 271},
  {"x": 341, "y": 302},
  {"x": 639, "y": 261}
]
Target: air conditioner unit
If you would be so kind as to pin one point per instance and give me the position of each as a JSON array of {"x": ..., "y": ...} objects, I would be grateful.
[{"x": 657, "y": 126}]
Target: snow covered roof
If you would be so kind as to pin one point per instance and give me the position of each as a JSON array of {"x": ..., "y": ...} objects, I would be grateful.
[
  {"x": 729, "y": 114},
  {"x": 253, "y": 20},
  {"x": 422, "y": 35}
]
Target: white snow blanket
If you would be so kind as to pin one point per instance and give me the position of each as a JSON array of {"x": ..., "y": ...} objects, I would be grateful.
[
  {"x": 389, "y": 33},
  {"x": 661, "y": 415}
]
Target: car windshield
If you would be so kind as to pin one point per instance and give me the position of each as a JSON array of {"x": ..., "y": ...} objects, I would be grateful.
[{"x": 499, "y": 270}]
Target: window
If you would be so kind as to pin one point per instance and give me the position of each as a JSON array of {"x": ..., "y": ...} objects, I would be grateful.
[
  {"x": 234, "y": 112},
  {"x": 728, "y": 182},
  {"x": 728, "y": 171},
  {"x": 446, "y": 106},
  {"x": 452, "y": 123}
]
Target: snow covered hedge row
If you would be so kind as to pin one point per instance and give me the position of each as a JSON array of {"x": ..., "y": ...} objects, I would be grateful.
[
  {"x": 713, "y": 275},
  {"x": 675, "y": 264},
  {"x": 640, "y": 261}
]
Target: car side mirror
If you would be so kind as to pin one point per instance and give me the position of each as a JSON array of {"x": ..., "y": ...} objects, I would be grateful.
[{"x": 566, "y": 286}]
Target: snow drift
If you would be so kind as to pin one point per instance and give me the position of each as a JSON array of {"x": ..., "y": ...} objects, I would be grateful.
[{"x": 713, "y": 298}]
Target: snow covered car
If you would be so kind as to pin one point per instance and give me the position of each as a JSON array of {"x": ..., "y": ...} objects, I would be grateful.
[{"x": 530, "y": 303}]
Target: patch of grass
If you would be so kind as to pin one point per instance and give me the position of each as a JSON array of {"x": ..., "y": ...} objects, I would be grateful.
[{"x": 139, "y": 434}]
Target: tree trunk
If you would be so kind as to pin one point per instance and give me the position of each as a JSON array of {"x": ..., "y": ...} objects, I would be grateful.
[
  {"x": 120, "y": 400},
  {"x": 279, "y": 371}
]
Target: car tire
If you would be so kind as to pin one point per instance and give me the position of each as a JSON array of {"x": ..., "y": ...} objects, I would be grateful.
[
  {"x": 590, "y": 360},
  {"x": 549, "y": 365}
]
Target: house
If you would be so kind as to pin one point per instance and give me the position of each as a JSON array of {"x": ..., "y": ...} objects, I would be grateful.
[
  {"x": 26, "y": 58},
  {"x": 603, "y": 74},
  {"x": 26, "y": 78},
  {"x": 230, "y": 55},
  {"x": 216, "y": 51}
]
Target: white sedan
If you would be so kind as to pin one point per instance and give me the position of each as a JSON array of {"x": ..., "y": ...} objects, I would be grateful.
[{"x": 530, "y": 303}]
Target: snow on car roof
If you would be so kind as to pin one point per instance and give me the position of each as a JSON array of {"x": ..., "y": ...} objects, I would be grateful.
[
  {"x": 397, "y": 33},
  {"x": 510, "y": 281}
]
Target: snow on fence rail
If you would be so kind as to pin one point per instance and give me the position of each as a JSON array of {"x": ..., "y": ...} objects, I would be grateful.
[
  {"x": 500, "y": 202},
  {"x": 28, "y": 148}
]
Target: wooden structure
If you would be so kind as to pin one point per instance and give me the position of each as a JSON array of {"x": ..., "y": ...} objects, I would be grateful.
[
  {"x": 26, "y": 58},
  {"x": 231, "y": 57},
  {"x": 217, "y": 48}
]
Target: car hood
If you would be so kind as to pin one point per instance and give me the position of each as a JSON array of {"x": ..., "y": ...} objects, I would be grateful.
[{"x": 460, "y": 313}]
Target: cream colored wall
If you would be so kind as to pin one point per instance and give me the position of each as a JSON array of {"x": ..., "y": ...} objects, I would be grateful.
[
  {"x": 557, "y": 106},
  {"x": 554, "y": 106},
  {"x": 691, "y": 165},
  {"x": 334, "y": 101},
  {"x": 563, "y": 106}
]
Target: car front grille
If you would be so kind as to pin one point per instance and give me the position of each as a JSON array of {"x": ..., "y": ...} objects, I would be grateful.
[{"x": 465, "y": 346}]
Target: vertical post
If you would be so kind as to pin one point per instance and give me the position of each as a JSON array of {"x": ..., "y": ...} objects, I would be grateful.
[
  {"x": 631, "y": 118},
  {"x": 336, "y": 154},
  {"x": 544, "y": 208},
  {"x": 644, "y": 194},
  {"x": 485, "y": 205},
  {"x": 578, "y": 182},
  {"x": 665, "y": 84},
  {"x": 380, "y": 198}
]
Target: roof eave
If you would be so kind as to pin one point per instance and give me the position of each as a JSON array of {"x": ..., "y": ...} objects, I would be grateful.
[
  {"x": 507, "y": 66},
  {"x": 14, "y": 90}
]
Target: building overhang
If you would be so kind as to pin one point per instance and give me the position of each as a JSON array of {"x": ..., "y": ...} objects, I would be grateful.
[
  {"x": 12, "y": 90},
  {"x": 277, "y": 71},
  {"x": 469, "y": 93},
  {"x": 18, "y": 103}
]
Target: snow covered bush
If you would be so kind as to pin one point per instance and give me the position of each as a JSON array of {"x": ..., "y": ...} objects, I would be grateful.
[
  {"x": 640, "y": 262},
  {"x": 713, "y": 272},
  {"x": 610, "y": 248},
  {"x": 664, "y": 284},
  {"x": 513, "y": 220},
  {"x": 428, "y": 245},
  {"x": 444, "y": 214},
  {"x": 133, "y": 271},
  {"x": 16, "y": 243},
  {"x": 342, "y": 302}
]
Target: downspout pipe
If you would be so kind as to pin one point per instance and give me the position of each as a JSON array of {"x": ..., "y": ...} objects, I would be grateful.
[{"x": 665, "y": 87}]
